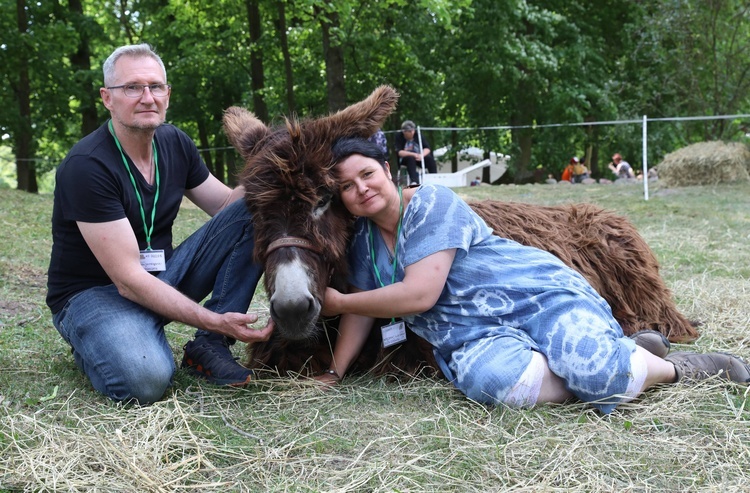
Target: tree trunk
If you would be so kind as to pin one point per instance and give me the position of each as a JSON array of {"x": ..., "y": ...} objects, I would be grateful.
[
  {"x": 23, "y": 144},
  {"x": 257, "y": 77},
  {"x": 454, "y": 149},
  {"x": 525, "y": 141},
  {"x": 524, "y": 138},
  {"x": 522, "y": 116},
  {"x": 206, "y": 155},
  {"x": 591, "y": 153},
  {"x": 284, "y": 41},
  {"x": 333, "y": 55},
  {"x": 229, "y": 162},
  {"x": 81, "y": 62},
  {"x": 595, "y": 163}
]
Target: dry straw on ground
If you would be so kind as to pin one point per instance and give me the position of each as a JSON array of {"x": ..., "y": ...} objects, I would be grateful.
[
  {"x": 437, "y": 442},
  {"x": 706, "y": 163},
  {"x": 371, "y": 435},
  {"x": 289, "y": 435}
]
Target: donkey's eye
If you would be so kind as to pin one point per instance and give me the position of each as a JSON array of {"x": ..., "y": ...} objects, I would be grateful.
[
  {"x": 322, "y": 206},
  {"x": 324, "y": 200}
]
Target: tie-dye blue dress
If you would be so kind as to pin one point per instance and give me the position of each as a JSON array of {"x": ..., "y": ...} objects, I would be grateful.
[{"x": 501, "y": 301}]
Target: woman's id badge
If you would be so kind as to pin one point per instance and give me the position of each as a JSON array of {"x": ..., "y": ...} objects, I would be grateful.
[
  {"x": 393, "y": 333},
  {"x": 153, "y": 260}
]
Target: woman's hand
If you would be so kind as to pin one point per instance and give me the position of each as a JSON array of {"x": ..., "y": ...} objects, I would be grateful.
[
  {"x": 329, "y": 378},
  {"x": 332, "y": 303}
]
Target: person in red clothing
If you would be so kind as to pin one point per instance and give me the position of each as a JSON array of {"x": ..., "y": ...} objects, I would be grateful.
[{"x": 567, "y": 174}]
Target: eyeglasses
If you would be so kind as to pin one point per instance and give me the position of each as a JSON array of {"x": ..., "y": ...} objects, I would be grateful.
[{"x": 136, "y": 90}]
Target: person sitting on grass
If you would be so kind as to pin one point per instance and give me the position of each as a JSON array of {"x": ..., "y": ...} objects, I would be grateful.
[
  {"x": 114, "y": 279},
  {"x": 509, "y": 324},
  {"x": 410, "y": 154},
  {"x": 620, "y": 167},
  {"x": 567, "y": 174}
]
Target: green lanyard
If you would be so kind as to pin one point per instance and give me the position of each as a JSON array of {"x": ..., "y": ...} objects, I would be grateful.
[
  {"x": 395, "y": 249},
  {"x": 148, "y": 230}
]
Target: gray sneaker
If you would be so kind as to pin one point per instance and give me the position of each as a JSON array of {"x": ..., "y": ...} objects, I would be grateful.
[
  {"x": 652, "y": 341},
  {"x": 695, "y": 366}
]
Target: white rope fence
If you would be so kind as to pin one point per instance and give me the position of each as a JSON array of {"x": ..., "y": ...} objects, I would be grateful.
[{"x": 644, "y": 122}]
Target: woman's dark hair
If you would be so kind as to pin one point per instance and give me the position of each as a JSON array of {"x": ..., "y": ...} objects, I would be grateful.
[{"x": 347, "y": 146}]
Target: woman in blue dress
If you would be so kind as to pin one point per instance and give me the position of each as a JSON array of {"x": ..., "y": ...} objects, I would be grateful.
[{"x": 508, "y": 323}]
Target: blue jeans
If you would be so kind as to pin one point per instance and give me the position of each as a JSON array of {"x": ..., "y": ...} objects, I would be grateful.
[{"x": 121, "y": 346}]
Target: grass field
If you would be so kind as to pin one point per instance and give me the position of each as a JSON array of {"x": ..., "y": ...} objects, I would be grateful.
[{"x": 371, "y": 435}]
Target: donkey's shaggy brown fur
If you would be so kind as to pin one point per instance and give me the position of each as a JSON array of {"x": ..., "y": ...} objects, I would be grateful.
[{"x": 606, "y": 249}]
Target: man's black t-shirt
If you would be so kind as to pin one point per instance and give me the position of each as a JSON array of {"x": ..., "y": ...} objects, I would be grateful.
[{"x": 93, "y": 185}]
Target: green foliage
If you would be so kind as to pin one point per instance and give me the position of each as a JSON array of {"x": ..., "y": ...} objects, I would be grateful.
[
  {"x": 456, "y": 63},
  {"x": 7, "y": 168},
  {"x": 705, "y": 45}
]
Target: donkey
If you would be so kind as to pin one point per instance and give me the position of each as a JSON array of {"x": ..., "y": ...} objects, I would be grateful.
[
  {"x": 301, "y": 228},
  {"x": 302, "y": 231}
]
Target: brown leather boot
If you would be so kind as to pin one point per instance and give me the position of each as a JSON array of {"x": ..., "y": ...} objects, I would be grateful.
[
  {"x": 695, "y": 366},
  {"x": 652, "y": 341}
]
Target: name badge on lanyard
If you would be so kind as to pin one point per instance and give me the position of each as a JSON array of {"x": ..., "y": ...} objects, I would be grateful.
[
  {"x": 153, "y": 260},
  {"x": 394, "y": 332}
]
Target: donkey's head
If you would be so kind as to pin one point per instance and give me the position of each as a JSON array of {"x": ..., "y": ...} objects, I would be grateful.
[{"x": 301, "y": 228}]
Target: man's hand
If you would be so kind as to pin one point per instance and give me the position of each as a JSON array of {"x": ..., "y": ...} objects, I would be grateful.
[{"x": 236, "y": 325}]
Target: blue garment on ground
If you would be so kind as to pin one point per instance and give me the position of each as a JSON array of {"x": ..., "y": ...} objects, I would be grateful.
[{"x": 501, "y": 301}]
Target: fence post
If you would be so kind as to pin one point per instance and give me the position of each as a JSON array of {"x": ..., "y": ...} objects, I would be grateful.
[
  {"x": 419, "y": 138},
  {"x": 645, "y": 157}
]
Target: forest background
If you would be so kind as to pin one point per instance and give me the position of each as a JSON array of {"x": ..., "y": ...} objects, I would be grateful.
[{"x": 461, "y": 66}]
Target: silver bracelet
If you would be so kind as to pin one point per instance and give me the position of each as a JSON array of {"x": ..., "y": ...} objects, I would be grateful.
[{"x": 332, "y": 372}]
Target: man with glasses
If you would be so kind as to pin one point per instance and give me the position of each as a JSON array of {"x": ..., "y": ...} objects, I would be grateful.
[{"x": 114, "y": 279}]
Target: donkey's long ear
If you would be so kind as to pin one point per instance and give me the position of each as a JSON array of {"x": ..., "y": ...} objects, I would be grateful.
[
  {"x": 244, "y": 131},
  {"x": 360, "y": 119}
]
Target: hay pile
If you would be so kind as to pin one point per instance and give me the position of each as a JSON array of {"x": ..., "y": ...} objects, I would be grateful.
[{"x": 706, "y": 163}]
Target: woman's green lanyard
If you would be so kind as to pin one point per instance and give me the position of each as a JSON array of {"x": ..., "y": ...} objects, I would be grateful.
[
  {"x": 395, "y": 332},
  {"x": 148, "y": 230}
]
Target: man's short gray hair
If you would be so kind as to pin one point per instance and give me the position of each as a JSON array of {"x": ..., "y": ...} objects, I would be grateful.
[{"x": 140, "y": 50}]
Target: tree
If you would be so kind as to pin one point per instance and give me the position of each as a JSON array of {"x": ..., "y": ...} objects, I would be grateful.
[
  {"x": 35, "y": 109},
  {"x": 281, "y": 29},
  {"x": 80, "y": 61},
  {"x": 706, "y": 46},
  {"x": 456, "y": 63},
  {"x": 23, "y": 142},
  {"x": 257, "y": 75},
  {"x": 333, "y": 54}
]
